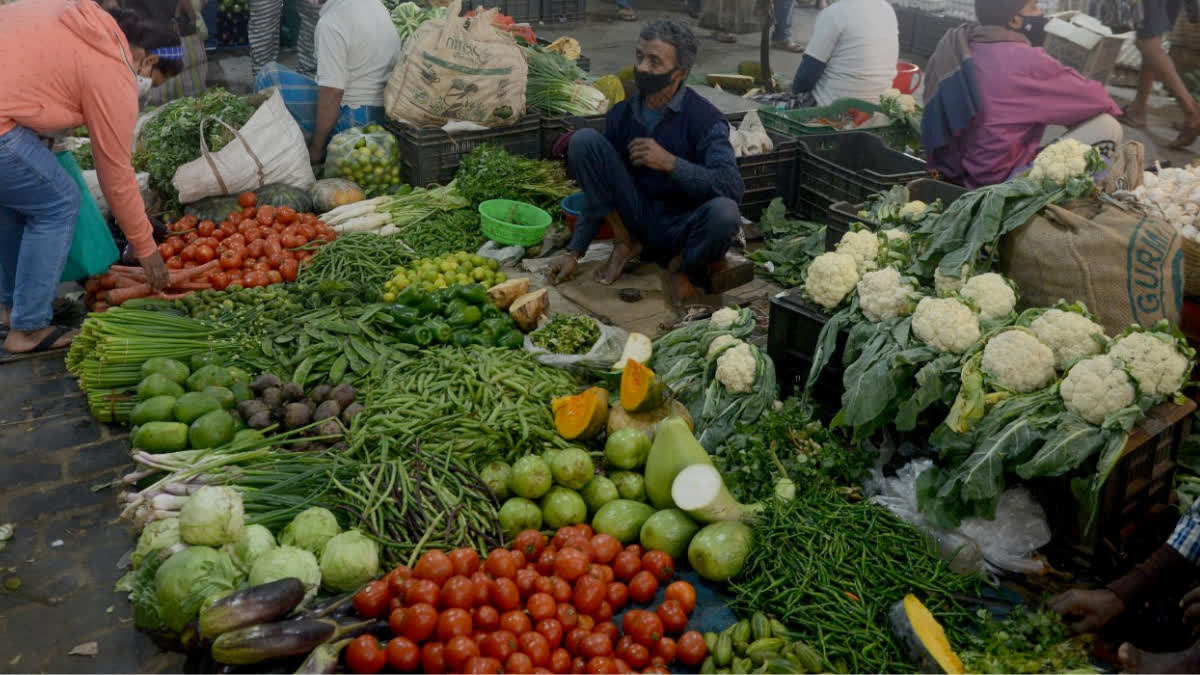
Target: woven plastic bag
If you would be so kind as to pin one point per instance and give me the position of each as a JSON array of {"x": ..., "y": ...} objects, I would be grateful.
[{"x": 369, "y": 156}]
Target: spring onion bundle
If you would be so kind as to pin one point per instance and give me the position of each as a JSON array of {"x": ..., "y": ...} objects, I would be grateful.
[{"x": 556, "y": 86}]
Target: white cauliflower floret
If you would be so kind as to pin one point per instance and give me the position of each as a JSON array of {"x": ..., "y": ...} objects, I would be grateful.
[
  {"x": 1062, "y": 161},
  {"x": 895, "y": 235},
  {"x": 1155, "y": 363},
  {"x": 907, "y": 103},
  {"x": 1069, "y": 335},
  {"x": 882, "y": 296},
  {"x": 1095, "y": 388},
  {"x": 723, "y": 318},
  {"x": 890, "y": 93},
  {"x": 913, "y": 210},
  {"x": 736, "y": 369},
  {"x": 993, "y": 295},
  {"x": 719, "y": 342},
  {"x": 946, "y": 324},
  {"x": 863, "y": 246},
  {"x": 946, "y": 285},
  {"x": 1018, "y": 361},
  {"x": 830, "y": 277}
]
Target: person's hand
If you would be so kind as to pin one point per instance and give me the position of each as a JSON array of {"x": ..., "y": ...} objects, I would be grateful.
[
  {"x": 562, "y": 267},
  {"x": 648, "y": 153},
  {"x": 157, "y": 276},
  {"x": 1191, "y": 607},
  {"x": 1088, "y": 611}
]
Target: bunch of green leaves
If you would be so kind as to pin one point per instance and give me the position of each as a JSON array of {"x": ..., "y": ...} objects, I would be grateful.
[
  {"x": 788, "y": 443},
  {"x": 363, "y": 259},
  {"x": 884, "y": 208},
  {"x": 490, "y": 172},
  {"x": 717, "y": 411},
  {"x": 1026, "y": 641},
  {"x": 172, "y": 138},
  {"x": 557, "y": 86},
  {"x": 567, "y": 334},
  {"x": 407, "y": 17},
  {"x": 445, "y": 232},
  {"x": 790, "y": 247}
]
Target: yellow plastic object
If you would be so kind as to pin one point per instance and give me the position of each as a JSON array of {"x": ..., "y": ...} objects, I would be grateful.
[{"x": 612, "y": 88}]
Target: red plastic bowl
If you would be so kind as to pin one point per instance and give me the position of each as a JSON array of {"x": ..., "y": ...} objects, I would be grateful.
[{"x": 572, "y": 206}]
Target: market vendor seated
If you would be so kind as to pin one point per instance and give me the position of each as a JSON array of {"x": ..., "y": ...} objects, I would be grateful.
[
  {"x": 991, "y": 92},
  {"x": 357, "y": 46},
  {"x": 663, "y": 174},
  {"x": 1165, "y": 571}
]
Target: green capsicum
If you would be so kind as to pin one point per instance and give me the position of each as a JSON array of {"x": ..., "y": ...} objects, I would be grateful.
[
  {"x": 410, "y": 296},
  {"x": 404, "y": 315},
  {"x": 428, "y": 305},
  {"x": 420, "y": 336},
  {"x": 453, "y": 307},
  {"x": 493, "y": 329},
  {"x": 442, "y": 332},
  {"x": 474, "y": 294},
  {"x": 466, "y": 338},
  {"x": 513, "y": 339},
  {"x": 464, "y": 317},
  {"x": 491, "y": 311}
]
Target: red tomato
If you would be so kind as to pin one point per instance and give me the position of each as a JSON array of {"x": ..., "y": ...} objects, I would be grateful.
[
  {"x": 458, "y": 592},
  {"x": 266, "y": 215},
  {"x": 419, "y": 590},
  {"x": 683, "y": 593},
  {"x": 589, "y": 593},
  {"x": 247, "y": 199},
  {"x": 205, "y": 228},
  {"x": 655, "y": 669},
  {"x": 219, "y": 280},
  {"x": 289, "y": 270},
  {"x": 643, "y": 586},
  {"x": 606, "y": 547},
  {"x": 604, "y": 613},
  {"x": 419, "y": 622},
  {"x": 623, "y": 646},
  {"x": 434, "y": 566},
  {"x": 562, "y": 536},
  {"x": 396, "y": 617},
  {"x": 364, "y": 655},
  {"x": 483, "y": 586},
  {"x": 272, "y": 246},
  {"x": 585, "y": 530},
  {"x": 516, "y": 622},
  {"x": 499, "y": 645},
  {"x": 237, "y": 239},
  {"x": 501, "y": 564},
  {"x": 371, "y": 601},
  {"x": 294, "y": 241},
  {"x": 659, "y": 564},
  {"x": 285, "y": 215},
  {"x": 674, "y": 619},
  {"x": 188, "y": 253},
  {"x": 545, "y": 562},
  {"x": 478, "y": 665},
  {"x": 485, "y": 618},
  {"x": 464, "y": 560},
  {"x": 403, "y": 655},
  {"x": 274, "y": 261},
  {"x": 519, "y": 663},
  {"x": 231, "y": 258},
  {"x": 541, "y": 606},
  {"x": 567, "y": 616},
  {"x": 397, "y": 580},
  {"x": 189, "y": 221},
  {"x": 645, "y": 627},
  {"x": 602, "y": 665},
  {"x": 255, "y": 248},
  {"x": 626, "y": 565},
  {"x": 519, "y": 559},
  {"x": 552, "y": 630},
  {"x": 638, "y": 657},
  {"x": 608, "y": 628},
  {"x": 236, "y": 277},
  {"x": 454, "y": 622},
  {"x": 544, "y": 585},
  {"x": 570, "y": 564},
  {"x": 166, "y": 250},
  {"x": 308, "y": 231},
  {"x": 458, "y": 651},
  {"x": 579, "y": 665},
  {"x": 560, "y": 661},
  {"x": 691, "y": 649},
  {"x": 249, "y": 212},
  {"x": 574, "y": 638},
  {"x": 666, "y": 650},
  {"x": 433, "y": 657},
  {"x": 530, "y": 542},
  {"x": 617, "y": 595},
  {"x": 504, "y": 595},
  {"x": 526, "y": 580},
  {"x": 560, "y": 589}
]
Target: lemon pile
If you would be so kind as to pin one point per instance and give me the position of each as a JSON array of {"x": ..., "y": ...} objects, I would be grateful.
[{"x": 453, "y": 269}]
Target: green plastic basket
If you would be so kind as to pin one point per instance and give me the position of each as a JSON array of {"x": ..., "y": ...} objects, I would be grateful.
[
  {"x": 507, "y": 222},
  {"x": 792, "y": 122}
]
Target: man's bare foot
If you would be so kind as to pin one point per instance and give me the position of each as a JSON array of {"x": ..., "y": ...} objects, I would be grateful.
[
  {"x": 621, "y": 255},
  {"x": 1133, "y": 117},
  {"x": 1134, "y": 660},
  {"x": 1189, "y": 134},
  {"x": 50, "y": 337},
  {"x": 679, "y": 289},
  {"x": 5, "y": 317}
]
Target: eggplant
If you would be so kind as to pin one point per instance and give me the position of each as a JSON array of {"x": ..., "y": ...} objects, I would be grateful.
[
  {"x": 281, "y": 639},
  {"x": 258, "y": 604},
  {"x": 323, "y": 659},
  {"x": 265, "y": 382}
]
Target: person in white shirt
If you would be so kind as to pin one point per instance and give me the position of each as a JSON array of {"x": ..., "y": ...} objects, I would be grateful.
[
  {"x": 357, "y": 46},
  {"x": 852, "y": 53}
]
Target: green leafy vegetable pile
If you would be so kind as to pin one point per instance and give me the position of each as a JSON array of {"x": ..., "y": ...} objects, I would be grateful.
[
  {"x": 790, "y": 246},
  {"x": 490, "y": 172},
  {"x": 567, "y": 334},
  {"x": 446, "y": 232},
  {"x": 1026, "y": 641}
]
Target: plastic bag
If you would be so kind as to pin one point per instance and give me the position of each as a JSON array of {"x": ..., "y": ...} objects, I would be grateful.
[
  {"x": 601, "y": 356},
  {"x": 369, "y": 156},
  {"x": 1006, "y": 543},
  {"x": 92, "y": 245}
]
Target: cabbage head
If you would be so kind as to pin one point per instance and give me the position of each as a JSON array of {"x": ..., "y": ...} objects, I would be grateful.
[
  {"x": 255, "y": 541},
  {"x": 284, "y": 562},
  {"x": 349, "y": 561},
  {"x": 187, "y": 580},
  {"x": 158, "y": 534},
  {"x": 212, "y": 516},
  {"x": 311, "y": 530}
]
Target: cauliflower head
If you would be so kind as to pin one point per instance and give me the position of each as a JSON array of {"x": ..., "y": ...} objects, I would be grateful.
[
  {"x": 896, "y": 236},
  {"x": 913, "y": 210},
  {"x": 718, "y": 343},
  {"x": 1157, "y": 366},
  {"x": 1069, "y": 335},
  {"x": 907, "y": 103},
  {"x": 863, "y": 246},
  {"x": 992, "y": 294},
  {"x": 831, "y": 276},
  {"x": 946, "y": 285},
  {"x": 723, "y": 318},
  {"x": 736, "y": 369},
  {"x": 1018, "y": 361},
  {"x": 1062, "y": 161},
  {"x": 882, "y": 295},
  {"x": 890, "y": 93},
  {"x": 1096, "y": 387},
  {"x": 946, "y": 324}
]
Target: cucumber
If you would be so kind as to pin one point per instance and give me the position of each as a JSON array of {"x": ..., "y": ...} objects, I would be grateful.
[
  {"x": 193, "y": 405},
  {"x": 156, "y": 409},
  {"x": 161, "y": 437}
]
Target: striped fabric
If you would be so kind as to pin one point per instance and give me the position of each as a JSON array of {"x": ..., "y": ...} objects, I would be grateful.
[
  {"x": 263, "y": 29},
  {"x": 300, "y": 95},
  {"x": 1186, "y": 537},
  {"x": 191, "y": 80}
]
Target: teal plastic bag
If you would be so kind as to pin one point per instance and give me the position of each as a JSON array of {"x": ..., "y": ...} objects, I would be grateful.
[{"x": 92, "y": 248}]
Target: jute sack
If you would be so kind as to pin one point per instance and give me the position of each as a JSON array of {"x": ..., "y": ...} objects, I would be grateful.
[
  {"x": 1125, "y": 265},
  {"x": 268, "y": 149},
  {"x": 457, "y": 68}
]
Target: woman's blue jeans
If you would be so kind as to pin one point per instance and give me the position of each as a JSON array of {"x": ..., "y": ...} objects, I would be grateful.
[{"x": 39, "y": 203}]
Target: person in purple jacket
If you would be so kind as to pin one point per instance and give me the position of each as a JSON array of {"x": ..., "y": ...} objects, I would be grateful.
[{"x": 992, "y": 92}]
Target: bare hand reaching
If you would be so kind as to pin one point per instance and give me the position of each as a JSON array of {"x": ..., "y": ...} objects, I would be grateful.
[
  {"x": 562, "y": 267},
  {"x": 157, "y": 276},
  {"x": 1087, "y": 611}
]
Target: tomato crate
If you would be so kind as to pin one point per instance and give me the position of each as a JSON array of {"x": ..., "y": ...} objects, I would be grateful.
[
  {"x": 846, "y": 167},
  {"x": 795, "y": 122},
  {"x": 792, "y": 333},
  {"x": 430, "y": 155},
  {"x": 563, "y": 11},
  {"x": 521, "y": 11},
  {"x": 1134, "y": 515},
  {"x": 842, "y": 215},
  {"x": 767, "y": 175}
]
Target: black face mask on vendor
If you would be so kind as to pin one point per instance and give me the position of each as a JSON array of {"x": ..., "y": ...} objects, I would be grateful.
[
  {"x": 651, "y": 83},
  {"x": 1034, "y": 28}
]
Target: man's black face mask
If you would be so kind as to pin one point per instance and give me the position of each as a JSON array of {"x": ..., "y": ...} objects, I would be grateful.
[{"x": 651, "y": 83}]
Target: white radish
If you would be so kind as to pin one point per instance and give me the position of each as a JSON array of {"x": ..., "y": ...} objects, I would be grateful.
[
  {"x": 700, "y": 492},
  {"x": 339, "y": 212},
  {"x": 367, "y": 223}
]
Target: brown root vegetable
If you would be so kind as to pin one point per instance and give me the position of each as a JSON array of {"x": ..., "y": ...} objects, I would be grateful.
[
  {"x": 265, "y": 382},
  {"x": 248, "y": 409},
  {"x": 528, "y": 310},
  {"x": 260, "y": 420},
  {"x": 272, "y": 397},
  {"x": 331, "y": 428},
  {"x": 292, "y": 392},
  {"x": 344, "y": 394},
  {"x": 327, "y": 410},
  {"x": 351, "y": 412},
  {"x": 340, "y": 446},
  {"x": 503, "y": 294},
  {"x": 321, "y": 392},
  {"x": 297, "y": 415}
]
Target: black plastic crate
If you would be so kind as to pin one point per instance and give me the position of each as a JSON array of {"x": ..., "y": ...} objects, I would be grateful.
[
  {"x": 847, "y": 167},
  {"x": 563, "y": 11},
  {"x": 584, "y": 63},
  {"x": 844, "y": 214},
  {"x": 929, "y": 29},
  {"x": 430, "y": 155},
  {"x": 792, "y": 336},
  {"x": 521, "y": 11},
  {"x": 906, "y": 19}
]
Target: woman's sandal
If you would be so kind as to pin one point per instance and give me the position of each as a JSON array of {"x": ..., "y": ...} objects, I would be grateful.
[{"x": 46, "y": 344}]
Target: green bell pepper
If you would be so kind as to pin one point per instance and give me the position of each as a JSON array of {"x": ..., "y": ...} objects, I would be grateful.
[
  {"x": 410, "y": 296},
  {"x": 493, "y": 329},
  {"x": 404, "y": 315},
  {"x": 513, "y": 339},
  {"x": 428, "y": 305},
  {"x": 474, "y": 294},
  {"x": 466, "y": 338},
  {"x": 453, "y": 307},
  {"x": 491, "y": 311},
  {"x": 442, "y": 332},
  {"x": 420, "y": 336},
  {"x": 465, "y": 317}
]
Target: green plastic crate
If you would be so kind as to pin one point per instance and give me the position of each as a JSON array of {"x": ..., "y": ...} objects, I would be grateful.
[{"x": 791, "y": 122}]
